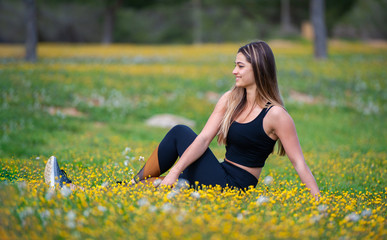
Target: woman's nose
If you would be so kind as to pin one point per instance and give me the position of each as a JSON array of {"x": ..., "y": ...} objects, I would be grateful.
[{"x": 234, "y": 71}]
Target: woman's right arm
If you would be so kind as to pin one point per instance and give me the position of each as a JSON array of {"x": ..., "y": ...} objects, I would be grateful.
[
  {"x": 201, "y": 143},
  {"x": 285, "y": 129}
]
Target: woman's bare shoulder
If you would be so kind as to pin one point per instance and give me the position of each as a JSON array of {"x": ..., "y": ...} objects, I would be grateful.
[
  {"x": 279, "y": 113},
  {"x": 226, "y": 94},
  {"x": 224, "y": 98}
]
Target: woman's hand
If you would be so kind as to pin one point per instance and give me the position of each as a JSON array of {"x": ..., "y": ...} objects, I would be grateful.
[{"x": 170, "y": 179}]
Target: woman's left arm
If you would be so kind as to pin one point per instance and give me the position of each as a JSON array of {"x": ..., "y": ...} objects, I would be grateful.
[{"x": 284, "y": 128}]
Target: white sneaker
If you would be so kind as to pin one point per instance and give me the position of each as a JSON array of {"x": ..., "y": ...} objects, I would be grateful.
[{"x": 53, "y": 175}]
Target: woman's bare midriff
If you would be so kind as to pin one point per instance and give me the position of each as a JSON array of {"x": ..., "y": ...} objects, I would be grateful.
[{"x": 254, "y": 171}]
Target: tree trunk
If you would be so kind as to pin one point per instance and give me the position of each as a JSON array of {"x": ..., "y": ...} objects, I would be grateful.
[
  {"x": 32, "y": 30},
  {"x": 197, "y": 22},
  {"x": 286, "y": 24},
  {"x": 109, "y": 20},
  {"x": 108, "y": 25},
  {"x": 317, "y": 10}
]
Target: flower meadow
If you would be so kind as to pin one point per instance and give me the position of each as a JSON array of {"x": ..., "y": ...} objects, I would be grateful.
[{"x": 87, "y": 105}]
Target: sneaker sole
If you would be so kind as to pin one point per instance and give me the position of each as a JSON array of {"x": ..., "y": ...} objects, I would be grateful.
[{"x": 49, "y": 172}]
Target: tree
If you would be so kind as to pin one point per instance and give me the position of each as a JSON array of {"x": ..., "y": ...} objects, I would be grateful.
[
  {"x": 109, "y": 20},
  {"x": 317, "y": 10},
  {"x": 32, "y": 30},
  {"x": 336, "y": 10},
  {"x": 110, "y": 10},
  {"x": 197, "y": 22},
  {"x": 286, "y": 24}
]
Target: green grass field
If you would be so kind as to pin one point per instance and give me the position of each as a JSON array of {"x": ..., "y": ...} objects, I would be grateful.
[{"x": 87, "y": 105}]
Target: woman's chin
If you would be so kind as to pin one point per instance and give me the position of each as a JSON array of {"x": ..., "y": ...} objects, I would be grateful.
[{"x": 238, "y": 85}]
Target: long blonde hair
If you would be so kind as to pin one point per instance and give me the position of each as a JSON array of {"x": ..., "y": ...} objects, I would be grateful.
[{"x": 261, "y": 57}]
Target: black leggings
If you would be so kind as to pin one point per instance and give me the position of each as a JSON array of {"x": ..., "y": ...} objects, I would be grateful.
[{"x": 206, "y": 170}]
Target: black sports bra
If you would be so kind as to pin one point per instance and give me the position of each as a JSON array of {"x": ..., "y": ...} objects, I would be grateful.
[{"x": 248, "y": 144}]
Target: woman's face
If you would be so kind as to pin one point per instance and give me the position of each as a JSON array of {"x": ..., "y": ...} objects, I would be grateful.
[{"x": 243, "y": 71}]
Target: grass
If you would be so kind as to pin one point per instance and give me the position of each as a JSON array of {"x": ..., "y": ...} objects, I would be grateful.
[{"x": 86, "y": 104}]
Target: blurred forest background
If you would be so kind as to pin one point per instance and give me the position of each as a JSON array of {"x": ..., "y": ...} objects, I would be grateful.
[{"x": 187, "y": 21}]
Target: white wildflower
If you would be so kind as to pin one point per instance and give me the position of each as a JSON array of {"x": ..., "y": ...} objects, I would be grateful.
[
  {"x": 322, "y": 208},
  {"x": 240, "y": 216},
  {"x": 44, "y": 216},
  {"x": 181, "y": 216},
  {"x": 141, "y": 159},
  {"x": 23, "y": 214},
  {"x": 66, "y": 191},
  {"x": 57, "y": 212},
  {"x": 50, "y": 193},
  {"x": 268, "y": 180},
  {"x": 262, "y": 200},
  {"x": 195, "y": 195},
  {"x": 126, "y": 162},
  {"x": 182, "y": 184},
  {"x": 101, "y": 208},
  {"x": 315, "y": 218},
  {"x": 131, "y": 173},
  {"x": 70, "y": 224},
  {"x": 157, "y": 182},
  {"x": 26, "y": 212},
  {"x": 86, "y": 213},
  {"x": 353, "y": 217},
  {"x": 366, "y": 213},
  {"x": 127, "y": 150},
  {"x": 152, "y": 208},
  {"x": 143, "y": 202},
  {"x": 167, "y": 207},
  {"x": 105, "y": 184},
  {"x": 21, "y": 186},
  {"x": 172, "y": 194},
  {"x": 70, "y": 217}
]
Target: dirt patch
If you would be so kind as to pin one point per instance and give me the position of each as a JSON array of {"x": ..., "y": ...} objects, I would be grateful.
[
  {"x": 70, "y": 111},
  {"x": 377, "y": 43},
  {"x": 303, "y": 98},
  {"x": 212, "y": 97},
  {"x": 99, "y": 124},
  {"x": 168, "y": 121},
  {"x": 94, "y": 101},
  {"x": 278, "y": 43}
]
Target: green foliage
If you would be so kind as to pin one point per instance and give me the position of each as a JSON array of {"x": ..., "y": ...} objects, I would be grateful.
[
  {"x": 360, "y": 21},
  {"x": 335, "y": 10},
  {"x": 172, "y": 21}
]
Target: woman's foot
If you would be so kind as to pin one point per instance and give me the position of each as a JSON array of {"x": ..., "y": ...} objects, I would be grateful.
[{"x": 53, "y": 175}]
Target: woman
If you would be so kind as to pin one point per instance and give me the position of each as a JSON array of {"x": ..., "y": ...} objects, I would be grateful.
[{"x": 249, "y": 120}]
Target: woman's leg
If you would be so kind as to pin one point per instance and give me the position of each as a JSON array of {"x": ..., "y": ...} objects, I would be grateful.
[
  {"x": 206, "y": 170},
  {"x": 173, "y": 145}
]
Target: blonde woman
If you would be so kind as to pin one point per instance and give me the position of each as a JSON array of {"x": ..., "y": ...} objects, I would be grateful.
[{"x": 249, "y": 119}]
